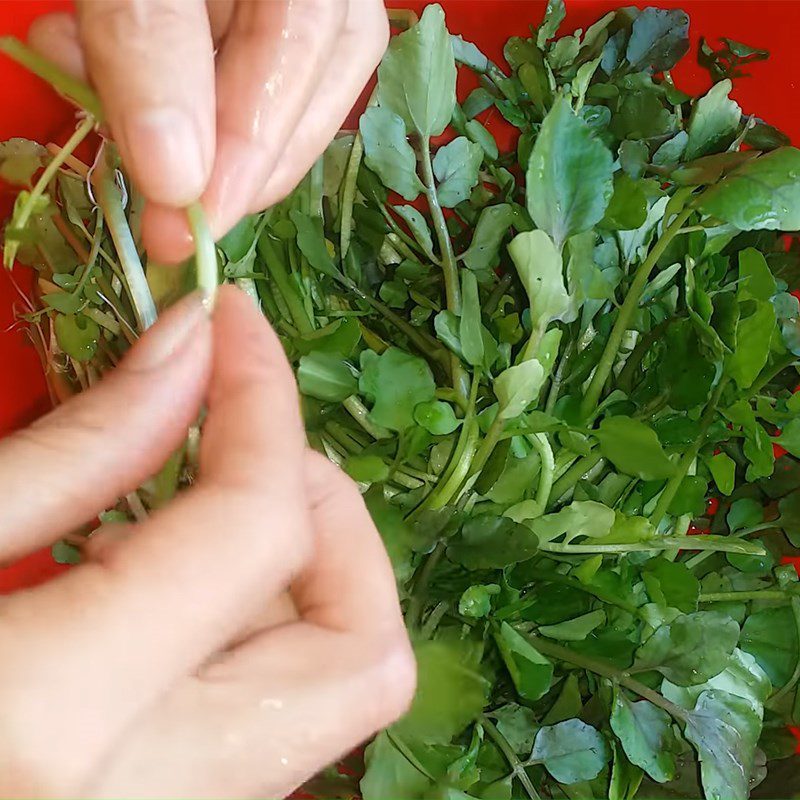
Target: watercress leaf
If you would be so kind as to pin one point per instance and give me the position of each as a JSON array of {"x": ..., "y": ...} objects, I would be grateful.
[
  {"x": 63, "y": 552},
  {"x": 476, "y": 602},
  {"x": 645, "y": 732},
  {"x": 723, "y": 470},
  {"x": 491, "y": 542},
  {"x": 389, "y": 774},
  {"x": 579, "y": 518},
  {"x": 538, "y": 264},
  {"x": 714, "y": 121},
  {"x": 724, "y": 729},
  {"x": 470, "y": 329},
  {"x": 770, "y": 636},
  {"x": 628, "y": 207},
  {"x": 446, "y": 325},
  {"x": 456, "y": 168},
  {"x": 493, "y": 223},
  {"x": 569, "y": 175},
  {"x": 659, "y": 39},
  {"x": 437, "y": 417},
  {"x": 20, "y": 159},
  {"x": 77, "y": 335},
  {"x": 518, "y": 725},
  {"x": 577, "y": 629},
  {"x": 417, "y": 76},
  {"x": 530, "y": 671},
  {"x": 754, "y": 336},
  {"x": 479, "y": 135},
  {"x": 450, "y": 692},
  {"x": 478, "y": 100},
  {"x": 326, "y": 376},
  {"x": 633, "y": 448},
  {"x": 671, "y": 152},
  {"x": 388, "y": 153},
  {"x": 763, "y": 194},
  {"x": 517, "y": 387},
  {"x": 396, "y": 382},
  {"x": 755, "y": 277},
  {"x": 311, "y": 241},
  {"x": 671, "y": 584},
  {"x": 553, "y": 17},
  {"x": 395, "y": 532},
  {"x": 418, "y": 226},
  {"x": 571, "y": 751},
  {"x": 690, "y": 649},
  {"x": 65, "y": 302}
]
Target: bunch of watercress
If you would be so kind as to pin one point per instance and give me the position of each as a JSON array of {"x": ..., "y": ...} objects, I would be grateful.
[{"x": 538, "y": 365}]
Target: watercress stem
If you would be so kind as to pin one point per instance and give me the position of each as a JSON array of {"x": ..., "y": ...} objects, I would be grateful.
[
  {"x": 449, "y": 268},
  {"x": 205, "y": 251},
  {"x": 517, "y": 767},
  {"x": 573, "y": 475},
  {"x": 606, "y": 363}
]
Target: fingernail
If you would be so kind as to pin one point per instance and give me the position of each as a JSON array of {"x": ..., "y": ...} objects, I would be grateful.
[
  {"x": 170, "y": 334},
  {"x": 164, "y": 147}
]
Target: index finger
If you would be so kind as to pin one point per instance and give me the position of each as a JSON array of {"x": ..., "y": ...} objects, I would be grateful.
[{"x": 114, "y": 635}]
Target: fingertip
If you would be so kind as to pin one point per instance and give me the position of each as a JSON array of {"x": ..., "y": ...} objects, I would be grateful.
[{"x": 165, "y": 234}]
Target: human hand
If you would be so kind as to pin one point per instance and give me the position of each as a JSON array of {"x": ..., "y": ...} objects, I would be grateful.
[
  {"x": 153, "y": 669},
  {"x": 287, "y": 73}
]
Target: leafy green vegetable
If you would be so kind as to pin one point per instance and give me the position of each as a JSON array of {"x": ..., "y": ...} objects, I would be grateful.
[{"x": 571, "y": 751}]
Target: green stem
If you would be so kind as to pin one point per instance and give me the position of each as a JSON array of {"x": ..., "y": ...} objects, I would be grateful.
[
  {"x": 719, "y": 544},
  {"x": 547, "y": 467},
  {"x": 412, "y": 247},
  {"x": 89, "y": 268},
  {"x": 268, "y": 250},
  {"x": 790, "y": 684},
  {"x": 606, "y": 363},
  {"x": 65, "y": 84},
  {"x": 205, "y": 252},
  {"x": 573, "y": 475},
  {"x": 359, "y": 412},
  {"x": 517, "y": 767},
  {"x": 21, "y": 217},
  {"x": 451, "y": 284},
  {"x": 420, "y": 585},
  {"x": 488, "y": 445},
  {"x": 609, "y": 671},
  {"x": 688, "y": 458},
  {"x": 625, "y": 377},
  {"x": 349, "y": 195},
  {"x": 142, "y": 300},
  {"x": 743, "y": 597}
]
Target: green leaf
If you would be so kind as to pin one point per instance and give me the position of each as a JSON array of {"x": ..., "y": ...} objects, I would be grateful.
[
  {"x": 395, "y": 382},
  {"x": 575, "y": 630},
  {"x": 518, "y": 725},
  {"x": 476, "y": 602},
  {"x": 450, "y": 692},
  {"x": 671, "y": 152},
  {"x": 20, "y": 159},
  {"x": 538, "y": 264},
  {"x": 470, "y": 329},
  {"x": 569, "y": 175},
  {"x": 456, "y": 168},
  {"x": 723, "y": 470},
  {"x": 690, "y": 649},
  {"x": 568, "y": 704},
  {"x": 770, "y": 636},
  {"x": 65, "y": 302},
  {"x": 531, "y": 672},
  {"x": 491, "y": 542},
  {"x": 77, "y": 335},
  {"x": 553, "y": 17},
  {"x": 659, "y": 39},
  {"x": 754, "y": 336},
  {"x": 387, "y": 152},
  {"x": 366, "y": 468},
  {"x": 645, "y": 732},
  {"x": 517, "y": 387},
  {"x": 744, "y": 513},
  {"x": 437, "y": 417},
  {"x": 789, "y": 439},
  {"x": 763, "y": 194},
  {"x": 628, "y": 207},
  {"x": 326, "y": 376},
  {"x": 484, "y": 249},
  {"x": 755, "y": 277},
  {"x": 571, "y": 751},
  {"x": 394, "y": 530},
  {"x": 311, "y": 241},
  {"x": 633, "y": 448},
  {"x": 418, "y": 226},
  {"x": 671, "y": 584},
  {"x": 66, "y": 553},
  {"x": 417, "y": 76},
  {"x": 579, "y": 518},
  {"x": 389, "y": 774},
  {"x": 724, "y": 729},
  {"x": 478, "y": 134},
  {"x": 714, "y": 121}
]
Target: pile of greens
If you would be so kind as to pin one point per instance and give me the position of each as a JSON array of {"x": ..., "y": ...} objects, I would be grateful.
[{"x": 538, "y": 365}]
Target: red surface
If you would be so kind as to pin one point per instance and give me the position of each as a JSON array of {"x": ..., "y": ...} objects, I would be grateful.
[{"x": 31, "y": 110}]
